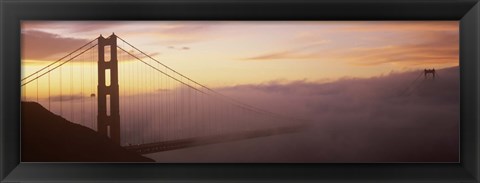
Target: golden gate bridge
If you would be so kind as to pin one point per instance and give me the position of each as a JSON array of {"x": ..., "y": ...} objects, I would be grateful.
[{"x": 149, "y": 107}]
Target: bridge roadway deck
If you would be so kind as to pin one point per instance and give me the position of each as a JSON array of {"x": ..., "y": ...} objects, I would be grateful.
[{"x": 204, "y": 140}]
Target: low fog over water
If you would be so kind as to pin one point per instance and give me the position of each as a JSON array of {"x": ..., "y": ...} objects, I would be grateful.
[{"x": 390, "y": 118}]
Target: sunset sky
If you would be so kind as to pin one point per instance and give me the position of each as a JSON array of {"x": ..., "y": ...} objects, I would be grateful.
[
  {"x": 357, "y": 82},
  {"x": 228, "y": 53}
]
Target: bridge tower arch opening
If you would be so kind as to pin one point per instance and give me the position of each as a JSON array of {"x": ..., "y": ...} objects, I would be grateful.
[{"x": 108, "y": 117}]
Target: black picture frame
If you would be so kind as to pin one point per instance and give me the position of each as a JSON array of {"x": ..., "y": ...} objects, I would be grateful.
[{"x": 12, "y": 12}]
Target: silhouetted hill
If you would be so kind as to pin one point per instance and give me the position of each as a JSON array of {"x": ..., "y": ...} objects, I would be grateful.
[{"x": 47, "y": 137}]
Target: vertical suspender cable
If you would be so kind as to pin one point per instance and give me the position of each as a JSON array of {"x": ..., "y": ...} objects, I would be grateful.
[
  {"x": 61, "y": 93},
  {"x": 82, "y": 95},
  {"x": 49, "y": 91},
  {"x": 92, "y": 95},
  {"x": 71, "y": 92},
  {"x": 37, "y": 89}
]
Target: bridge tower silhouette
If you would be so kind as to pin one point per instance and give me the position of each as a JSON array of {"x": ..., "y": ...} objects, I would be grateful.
[
  {"x": 108, "y": 119},
  {"x": 430, "y": 74}
]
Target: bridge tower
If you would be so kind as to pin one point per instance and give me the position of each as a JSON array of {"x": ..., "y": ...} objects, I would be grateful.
[
  {"x": 430, "y": 73},
  {"x": 108, "y": 119}
]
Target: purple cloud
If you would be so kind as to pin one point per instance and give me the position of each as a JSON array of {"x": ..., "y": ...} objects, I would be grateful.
[{"x": 38, "y": 45}]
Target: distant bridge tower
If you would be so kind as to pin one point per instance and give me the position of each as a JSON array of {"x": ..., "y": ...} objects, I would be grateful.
[
  {"x": 108, "y": 119},
  {"x": 430, "y": 74}
]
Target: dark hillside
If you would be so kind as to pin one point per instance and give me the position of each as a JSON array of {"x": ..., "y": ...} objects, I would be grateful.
[{"x": 47, "y": 137}]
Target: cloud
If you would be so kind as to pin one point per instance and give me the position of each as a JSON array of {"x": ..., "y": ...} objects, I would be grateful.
[
  {"x": 65, "y": 98},
  {"x": 281, "y": 55},
  {"x": 44, "y": 46},
  {"x": 38, "y": 45},
  {"x": 180, "y": 28},
  {"x": 179, "y": 48},
  {"x": 309, "y": 51},
  {"x": 125, "y": 54},
  {"x": 92, "y": 26},
  {"x": 164, "y": 32},
  {"x": 436, "y": 48},
  {"x": 72, "y": 27},
  {"x": 178, "y": 33},
  {"x": 406, "y": 43}
]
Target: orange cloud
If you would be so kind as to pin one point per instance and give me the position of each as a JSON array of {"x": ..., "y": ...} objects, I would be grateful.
[
  {"x": 438, "y": 48},
  {"x": 394, "y": 42}
]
